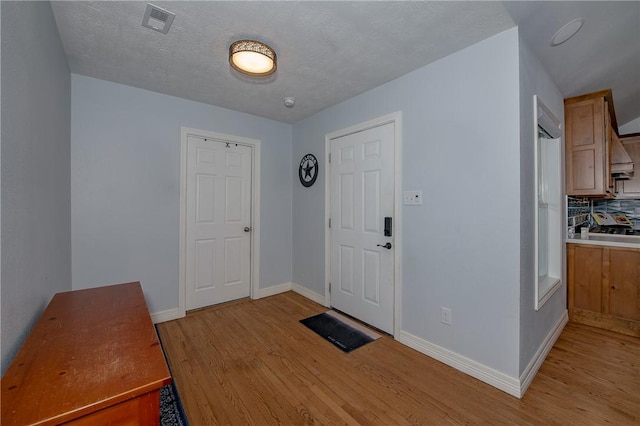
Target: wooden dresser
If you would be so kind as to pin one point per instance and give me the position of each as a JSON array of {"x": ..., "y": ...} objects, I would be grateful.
[{"x": 93, "y": 358}]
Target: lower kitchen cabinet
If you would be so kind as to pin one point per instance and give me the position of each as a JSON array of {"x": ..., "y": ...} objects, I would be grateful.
[
  {"x": 604, "y": 287},
  {"x": 623, "y": 284}
]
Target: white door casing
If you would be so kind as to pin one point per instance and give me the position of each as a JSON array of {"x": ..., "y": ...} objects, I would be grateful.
[
  {"x": 362, "y": 193},
  {"x": 218, "y": 194}
]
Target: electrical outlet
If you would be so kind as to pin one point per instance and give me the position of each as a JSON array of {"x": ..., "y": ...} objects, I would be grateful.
[{"x": 445, "y": 315}]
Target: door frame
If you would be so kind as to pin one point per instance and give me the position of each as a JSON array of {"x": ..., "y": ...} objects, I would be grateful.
[
  {"x": 254, "y": 144},
  {"x": 396, "y": 119}
]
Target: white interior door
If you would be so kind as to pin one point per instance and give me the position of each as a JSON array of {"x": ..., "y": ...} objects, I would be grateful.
[
  {"x": 362, "y": 195},
  {"x": 218, "y": 222}
]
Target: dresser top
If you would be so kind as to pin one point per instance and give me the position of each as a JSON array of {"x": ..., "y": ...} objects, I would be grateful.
[{"x": 90, "y": 349}]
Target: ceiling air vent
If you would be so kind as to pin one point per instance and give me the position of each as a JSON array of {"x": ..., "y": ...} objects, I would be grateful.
[{"x": 157, "y": 18}]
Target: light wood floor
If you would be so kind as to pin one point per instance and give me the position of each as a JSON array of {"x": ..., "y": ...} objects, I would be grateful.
[{"x": 252, "y": 362}]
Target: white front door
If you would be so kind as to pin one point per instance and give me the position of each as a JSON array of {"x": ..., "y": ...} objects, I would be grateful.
[
  {"x": 218, "y": 222},
  {"x": 361, "y": 197}
]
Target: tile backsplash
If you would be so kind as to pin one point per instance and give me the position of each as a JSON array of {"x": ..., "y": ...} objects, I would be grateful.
[
  {"x": 631, "y": 208},
  {"x": 579, "y": 211}
]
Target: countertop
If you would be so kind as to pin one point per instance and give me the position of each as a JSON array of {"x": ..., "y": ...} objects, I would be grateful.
[{"x": 610, "y": 240}]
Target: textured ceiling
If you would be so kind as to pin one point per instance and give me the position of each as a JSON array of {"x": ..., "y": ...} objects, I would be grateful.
[
  {"x": 331, "y": 51},
  {"x": 327, "y": 51},
  {"x": 605, "y": 54}
]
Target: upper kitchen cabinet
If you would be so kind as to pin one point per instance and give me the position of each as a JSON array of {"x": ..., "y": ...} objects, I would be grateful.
[
  {"x": 587, "y": 146},
  {"x": 591, "y": 133}
]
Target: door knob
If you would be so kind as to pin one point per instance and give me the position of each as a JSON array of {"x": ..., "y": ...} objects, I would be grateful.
[
  {"x": 387, "y": 246},
  {"x": 247, "y": 229}
]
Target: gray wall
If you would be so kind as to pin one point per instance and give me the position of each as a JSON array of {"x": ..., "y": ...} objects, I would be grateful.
[
  {"x": 461, "y": 248},
  {"x": 631, "y": 127},
  {"x": 125, "y": 176},
  {"x": 534, "y": 325},
  {"x": 464, "y": 140},
  {"x": 36, "y": 236}
]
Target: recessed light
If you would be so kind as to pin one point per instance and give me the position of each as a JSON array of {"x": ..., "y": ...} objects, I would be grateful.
[{"x": 570, "y": 29}]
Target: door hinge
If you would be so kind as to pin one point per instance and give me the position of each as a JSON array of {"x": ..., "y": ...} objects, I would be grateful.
[
  {"x": 329, "y": 157},
  {"x": 329, "y": 288},
  {"x": 329, "y": 222}
]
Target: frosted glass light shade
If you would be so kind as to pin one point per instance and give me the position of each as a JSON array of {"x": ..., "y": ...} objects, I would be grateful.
[{"x": 253, "y": 58}]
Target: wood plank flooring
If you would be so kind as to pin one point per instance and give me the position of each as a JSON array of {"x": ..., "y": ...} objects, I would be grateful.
[{"x": 252, "y": 362}]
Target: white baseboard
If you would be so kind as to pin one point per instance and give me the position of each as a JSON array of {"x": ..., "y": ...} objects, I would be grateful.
[
  {"x": 541, "y": 354},
  {"x": 511, "y": 385},
  {"x": 284, "y": 287},
  {"x": 274, "y": 289},
  {"x": 171, "y": 314},
  {"x": 504, "y": 382},
  {"x": 168, "y": 315},
  {"x": 309, "y": 294}
]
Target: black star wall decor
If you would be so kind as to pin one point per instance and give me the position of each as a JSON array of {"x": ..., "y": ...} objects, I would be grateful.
[{"x": 308, "y": 170}]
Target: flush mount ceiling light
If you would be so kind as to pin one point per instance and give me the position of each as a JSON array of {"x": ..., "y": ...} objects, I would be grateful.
[
  {"x": 252, "y": 58},
  {"x": 570, "y": 29}
]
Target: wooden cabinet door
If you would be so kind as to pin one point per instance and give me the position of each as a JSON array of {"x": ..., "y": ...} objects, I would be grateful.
[
  {"x": 630, "y": 188},
  {"x": 608, "y": 140},
  {"x": 585, "y": 277},
  {"x": 585, "y": 147},
  {"x": 622, "y": 291},
  {"x": 604, "y": 287}
]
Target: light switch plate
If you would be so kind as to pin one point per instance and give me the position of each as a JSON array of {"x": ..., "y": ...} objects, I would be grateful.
[{"x": 412, "y": 198}]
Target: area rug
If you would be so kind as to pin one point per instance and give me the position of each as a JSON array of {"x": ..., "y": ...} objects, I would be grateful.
[
  {"x": 343, "y": 332},
  {"x": 171, "y": 412}
]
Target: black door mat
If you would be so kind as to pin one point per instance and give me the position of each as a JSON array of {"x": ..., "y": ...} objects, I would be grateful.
[{"x": 340, "y": 330}]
